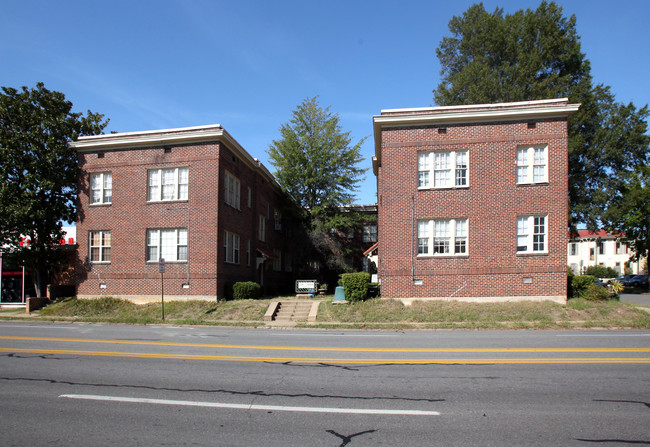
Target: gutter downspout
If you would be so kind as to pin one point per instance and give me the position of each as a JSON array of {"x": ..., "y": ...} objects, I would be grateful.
[{"x": 413, "y": 235}]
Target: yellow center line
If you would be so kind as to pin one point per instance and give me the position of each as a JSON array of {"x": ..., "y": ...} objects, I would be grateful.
[
  {"x": 326, "y": 360},
  {"x": 336, "y": 349}
]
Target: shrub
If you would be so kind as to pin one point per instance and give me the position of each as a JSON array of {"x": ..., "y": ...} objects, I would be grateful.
[
  {"x": 617, "y": 286},
  {"x": 246, "y": 290},
  {"x": 600, "y": 271},
  {"x": 579, "y": 285},
  {"x": 355, "y": 285},
  {"x": 596, "y": 292}
]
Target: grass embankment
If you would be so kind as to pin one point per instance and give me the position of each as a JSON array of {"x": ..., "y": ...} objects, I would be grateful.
[
  {"x": 577, "y": 314},
  {"x": 375, "y": 313},
  {"x": 115, "y": 310}
]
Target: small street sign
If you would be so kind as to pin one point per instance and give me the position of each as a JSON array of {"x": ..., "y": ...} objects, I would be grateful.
[
  {"x": 161, "y": 265},
  {"x": 306, "y": 286}
]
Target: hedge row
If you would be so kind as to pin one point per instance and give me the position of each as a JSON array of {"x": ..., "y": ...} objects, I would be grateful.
[{"x": 247, "y": 290}]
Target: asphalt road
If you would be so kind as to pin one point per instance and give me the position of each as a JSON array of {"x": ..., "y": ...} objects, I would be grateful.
[
  {"x": 640, "y": 299},
  {"x": 85, "y": 384}
]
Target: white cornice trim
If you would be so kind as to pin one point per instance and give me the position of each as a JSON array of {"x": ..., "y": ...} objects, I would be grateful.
[
  {"x": 149, "y": 137},
  {"x": 498, "y": 105},
  {"x": 465, "y": 114}
]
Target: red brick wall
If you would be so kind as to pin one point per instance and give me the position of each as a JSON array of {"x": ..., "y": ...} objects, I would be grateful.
[
  {"x": 130, "y": 215},
  {"x": 491, "y": 204}
]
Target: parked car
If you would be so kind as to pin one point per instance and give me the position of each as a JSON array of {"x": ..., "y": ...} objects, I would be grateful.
[
  {"x": 600, "y": 282},
  {"x": 636, "y": 281},
  {"x": 623, "y": 278}
]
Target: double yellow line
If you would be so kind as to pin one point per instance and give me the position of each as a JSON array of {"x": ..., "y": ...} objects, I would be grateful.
[{"x": 273, "y": 359}]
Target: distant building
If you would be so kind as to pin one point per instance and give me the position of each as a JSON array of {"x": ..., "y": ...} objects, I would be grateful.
[
  {"x": 473, "y": 201},
  {"x": 191, "y": 196},
  {"x": 17, "y": 284},
  {"x": 589, "y": 248},
  {"x": 362, "y": 237}
]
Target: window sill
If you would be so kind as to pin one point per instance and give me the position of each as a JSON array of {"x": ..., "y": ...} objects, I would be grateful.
[
  {"x": 151, "y": 202},
  {"x": 99, "y": 205},
  {"x": 450, "y": 256},
  {"x": 535, "y": 253},
  {"x": 441, "y": 188},
  {"x": 232, "y": 206},
  {"x": 545, "y": 183},
  {"x": 100, "y": 262},
  {"x": 166, "y": 262}
]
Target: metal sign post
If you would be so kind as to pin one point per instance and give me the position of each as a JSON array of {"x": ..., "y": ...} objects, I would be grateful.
[
  {"x": 0, "y": 276},
  {"x": 161, "y": 269}
]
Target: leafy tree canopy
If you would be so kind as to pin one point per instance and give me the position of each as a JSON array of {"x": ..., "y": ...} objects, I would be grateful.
[
  {"x": 315, "y": 160},
  {"x": 530, "y": 55},
  {"x": 38, "y": 170},
  {"x": 317, "y": 164}
]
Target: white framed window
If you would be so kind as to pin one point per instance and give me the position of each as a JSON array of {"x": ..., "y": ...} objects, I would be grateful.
[
  {"x": 167, "y": 243},
  {"x": 443, "y": 169},
  {"x": 532, "y": 234},
  {"x": 100, "y": 246},
  {"x": 262, "y": 228},
  {"x": 231, "y": 246},
  {"x": 532, "y": 164},
  {"x": 442, "y": 237},
  {"x": 232, "y": 188},
  {"x": 574, "y": 249},
  {"x": 277, "y": 261},
  {"x": 277, "y": 219},
  {"x": 167, "y": 184},
  {"x": 370, "y": 233},
  {"x": 101, "y": 188}
]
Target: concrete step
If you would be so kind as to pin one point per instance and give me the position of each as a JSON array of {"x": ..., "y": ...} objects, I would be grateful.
[{"x": 291, "y": 311}]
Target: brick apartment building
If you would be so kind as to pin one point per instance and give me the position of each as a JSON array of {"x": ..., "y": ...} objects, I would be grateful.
[
  {"x": 192, "y": 196},
  {"x": 473, "y": 201}
]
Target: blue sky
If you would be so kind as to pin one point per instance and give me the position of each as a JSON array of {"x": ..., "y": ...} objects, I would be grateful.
[{"x": 247, "y": 64}]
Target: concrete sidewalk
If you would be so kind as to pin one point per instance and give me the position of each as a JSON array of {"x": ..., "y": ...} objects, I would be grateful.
[{"x": 641, "y": 300}]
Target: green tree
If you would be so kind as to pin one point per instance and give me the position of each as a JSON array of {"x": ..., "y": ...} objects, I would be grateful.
[
  {"x": 529, "y": 55},
  {"x": 629, "y": 210},
  {"x": 317, "y": 164},
  {"x": 314, "y": 159},
  {"x": 600, "y": 271},
  {"x": 38, "y": 172}
]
